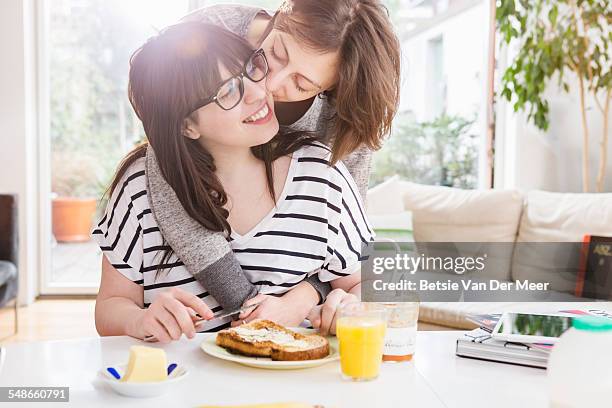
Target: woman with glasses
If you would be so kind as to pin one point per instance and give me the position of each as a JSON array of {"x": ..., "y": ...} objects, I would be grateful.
[
  {"x": 334, "y": 70},
  {"x": 200, "y": 93}
]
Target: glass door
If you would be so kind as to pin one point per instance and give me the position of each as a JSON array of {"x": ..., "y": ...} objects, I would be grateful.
[{"x": 87, "y": 122}]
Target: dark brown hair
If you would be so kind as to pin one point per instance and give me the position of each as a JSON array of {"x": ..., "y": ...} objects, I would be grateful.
[
  {"x": 366, "y": 94},
  {"x": 169, "y": 75}
]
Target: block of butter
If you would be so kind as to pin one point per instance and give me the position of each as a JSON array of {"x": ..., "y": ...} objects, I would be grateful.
[{"x": 147, "y": 364}]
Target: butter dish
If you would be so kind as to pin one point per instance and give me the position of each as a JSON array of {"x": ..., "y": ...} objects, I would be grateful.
[{"x": 112, "y": 375}]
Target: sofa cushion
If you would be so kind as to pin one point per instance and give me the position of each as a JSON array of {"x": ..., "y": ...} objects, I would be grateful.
[
  {"x": 443, "y": 214},
  {"x": 564, "y": 217},
  {"x": 385, "y": 198},
  {"x": 558, "y": 217},
  {"x": 8, "y": 272},
  {"x": 8, "y": 282}
]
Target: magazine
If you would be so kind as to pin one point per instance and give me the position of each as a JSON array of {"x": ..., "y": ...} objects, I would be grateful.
[{"x": 479, "y": 344}]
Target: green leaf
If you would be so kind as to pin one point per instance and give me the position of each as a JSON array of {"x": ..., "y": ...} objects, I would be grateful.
[
  {"x": 507, "y": 93},
  {"x": 552, "y": 15},
  {"x": 511, "y": 7}
]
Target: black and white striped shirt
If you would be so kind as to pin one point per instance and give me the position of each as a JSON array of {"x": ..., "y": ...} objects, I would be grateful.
[{"x": 317, "y": 226}]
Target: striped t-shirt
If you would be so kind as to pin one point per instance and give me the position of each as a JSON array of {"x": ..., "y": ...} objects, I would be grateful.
[{"x": 317, "y": 226}]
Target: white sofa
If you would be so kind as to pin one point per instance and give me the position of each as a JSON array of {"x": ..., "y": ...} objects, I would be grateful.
[{"x": 442, "y": 214}]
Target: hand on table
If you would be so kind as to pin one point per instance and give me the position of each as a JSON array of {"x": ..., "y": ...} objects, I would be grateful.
[
  {"x": 323, "y": 317},
  {"x": 277, "y": 309},
  {"x": 171, "y": 315}
]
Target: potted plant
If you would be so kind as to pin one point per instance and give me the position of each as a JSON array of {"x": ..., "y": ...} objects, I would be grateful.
[
  {"x": 558, "y": 38},
  {"x": 439, "y": 152},
  {"x": 76, "y": 186}
]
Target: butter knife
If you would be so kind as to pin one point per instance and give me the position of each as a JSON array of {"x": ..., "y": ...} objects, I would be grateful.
[{"x": 152, "y": 338}]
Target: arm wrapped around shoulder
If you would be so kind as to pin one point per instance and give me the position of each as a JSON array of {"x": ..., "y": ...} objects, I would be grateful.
[{"x": 206, "y": 254}]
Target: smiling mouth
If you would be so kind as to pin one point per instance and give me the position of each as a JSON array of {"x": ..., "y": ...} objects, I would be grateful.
[{"x": 259, "y": 115}]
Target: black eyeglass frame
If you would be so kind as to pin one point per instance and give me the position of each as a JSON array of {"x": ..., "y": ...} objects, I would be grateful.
[{"x": 240, "y": 78}]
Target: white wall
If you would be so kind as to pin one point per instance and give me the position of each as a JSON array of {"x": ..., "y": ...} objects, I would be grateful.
[{"x": 18, "y": 171}]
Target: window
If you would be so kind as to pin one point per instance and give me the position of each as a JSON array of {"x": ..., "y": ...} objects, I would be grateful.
[
  {"x": 91, "y": 124},
  {"x": 436, "y": 98},
  {"x": 440, "y": 127}
]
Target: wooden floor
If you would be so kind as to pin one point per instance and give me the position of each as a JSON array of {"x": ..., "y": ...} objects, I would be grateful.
[{"x": 50, "y": 319}]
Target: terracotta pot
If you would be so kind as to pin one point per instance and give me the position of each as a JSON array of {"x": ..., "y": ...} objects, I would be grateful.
[{"x": 72, "y": 218}]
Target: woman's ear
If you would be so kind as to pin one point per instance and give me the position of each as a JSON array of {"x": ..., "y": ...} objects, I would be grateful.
[{"x": 190, "y": 130}]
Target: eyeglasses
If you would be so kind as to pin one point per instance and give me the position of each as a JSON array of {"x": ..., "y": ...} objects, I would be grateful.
[{"x": 230, "y": 93}]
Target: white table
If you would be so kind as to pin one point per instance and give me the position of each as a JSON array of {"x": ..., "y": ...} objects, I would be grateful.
[{"x": 437, "y": 378}]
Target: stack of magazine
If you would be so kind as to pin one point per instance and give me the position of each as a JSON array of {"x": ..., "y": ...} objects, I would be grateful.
[{"x": 479, "y": 344}]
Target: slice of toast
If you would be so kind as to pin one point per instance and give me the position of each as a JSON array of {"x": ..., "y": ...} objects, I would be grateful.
[{"x": 264, "y": 338}]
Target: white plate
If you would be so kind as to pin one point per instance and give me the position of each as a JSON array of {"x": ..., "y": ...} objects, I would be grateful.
[
  {"x": 141, "y": 390},
  {"x": 211, "y": 348}
]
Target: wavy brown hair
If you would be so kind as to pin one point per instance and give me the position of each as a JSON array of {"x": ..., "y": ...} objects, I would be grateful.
[
  {"x": 366, "y": 95},
  {"x": 169, "y": 75}
]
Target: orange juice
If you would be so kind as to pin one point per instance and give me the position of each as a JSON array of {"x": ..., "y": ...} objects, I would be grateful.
[{"x": 361, "y": 342}]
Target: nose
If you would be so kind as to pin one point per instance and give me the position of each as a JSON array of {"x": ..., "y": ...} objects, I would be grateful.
[
  {"x": 276, "y": 80},
  {"x": 254, "y": 92}
]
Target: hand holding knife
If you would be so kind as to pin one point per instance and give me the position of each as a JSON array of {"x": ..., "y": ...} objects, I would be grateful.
[{"x": 199, "y": 321}]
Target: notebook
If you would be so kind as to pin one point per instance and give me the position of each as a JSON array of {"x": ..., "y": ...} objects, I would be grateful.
[{"x": 480, "y": 345}]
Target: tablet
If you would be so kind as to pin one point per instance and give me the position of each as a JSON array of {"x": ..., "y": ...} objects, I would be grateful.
[{"x": 531, "y": 328}]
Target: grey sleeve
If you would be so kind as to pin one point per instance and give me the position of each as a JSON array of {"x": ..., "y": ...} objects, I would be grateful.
[
  {"x": 359, "y": 164},
  {"x": 233, "y": 17},
  {"x": 322, "y": 288},
  {"x": 207, "y": 255}
]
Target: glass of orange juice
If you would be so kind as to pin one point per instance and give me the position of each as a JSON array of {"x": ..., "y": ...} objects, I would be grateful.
[{"x": 360, "y": 329}]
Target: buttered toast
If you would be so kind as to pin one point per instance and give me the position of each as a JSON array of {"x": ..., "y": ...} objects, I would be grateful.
[{"x": 264, "y": 338}]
